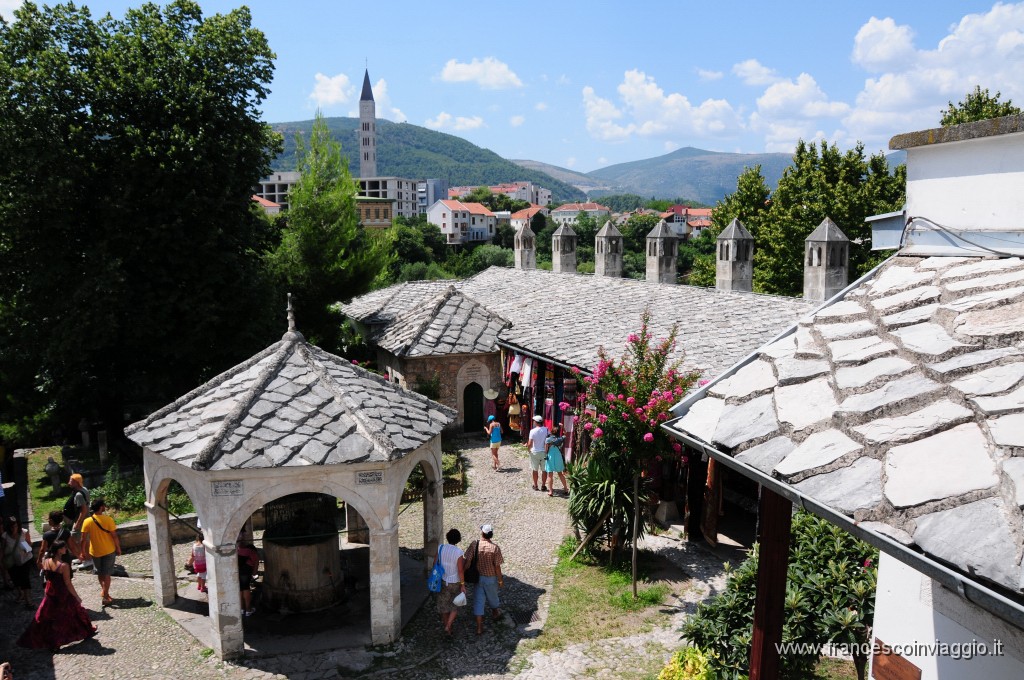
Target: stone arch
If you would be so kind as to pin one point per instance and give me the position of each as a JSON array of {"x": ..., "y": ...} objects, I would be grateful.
[{"x": 472, "y": 370}]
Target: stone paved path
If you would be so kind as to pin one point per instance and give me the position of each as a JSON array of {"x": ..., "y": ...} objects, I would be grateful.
[{"x": 138, "y": 640}]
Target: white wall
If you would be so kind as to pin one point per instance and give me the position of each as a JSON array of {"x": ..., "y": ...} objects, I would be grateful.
[
  {"x": 911, "y": 609},
  {"x": 973, "y": 184}
]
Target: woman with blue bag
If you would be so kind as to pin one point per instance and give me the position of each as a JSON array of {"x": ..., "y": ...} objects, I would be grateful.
[{"x": 453, "y": 561}]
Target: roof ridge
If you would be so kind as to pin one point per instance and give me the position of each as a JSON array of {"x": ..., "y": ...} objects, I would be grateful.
[{"x": 204, "y": 459}]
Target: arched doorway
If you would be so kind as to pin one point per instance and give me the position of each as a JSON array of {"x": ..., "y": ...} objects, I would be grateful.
[{"x": 473, "y": 407}]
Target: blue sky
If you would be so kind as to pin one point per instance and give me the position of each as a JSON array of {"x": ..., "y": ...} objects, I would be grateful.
[{"x": 584, "y": 85}]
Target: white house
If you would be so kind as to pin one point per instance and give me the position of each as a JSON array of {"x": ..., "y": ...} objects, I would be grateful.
[
  {"x": 525, "y": 216},
  {"x": 567, "y": 214},
  {"x": 462, "y": 222}
]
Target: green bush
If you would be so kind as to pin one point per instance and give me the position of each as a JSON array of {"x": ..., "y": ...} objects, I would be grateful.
[
  {"x": 830, "y": 597},
  {"x": 689, "y": 663}
]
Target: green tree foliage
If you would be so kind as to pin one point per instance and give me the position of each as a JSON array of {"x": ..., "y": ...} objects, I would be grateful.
[
  {"x": 631, "y": 397},
  {"x": 635, "y": 230},
  {"x": 543, "y": 228},
  {"x": 977, "y": 105},
  {"x": 505, "y": 236},
  {"x": 848, "y": 187},
  {"x": 325, "y": 255},
  {"x": 128, "y": 152},
  {"x": 415, "y": 241},
  {"x": 830, "y": 597}
]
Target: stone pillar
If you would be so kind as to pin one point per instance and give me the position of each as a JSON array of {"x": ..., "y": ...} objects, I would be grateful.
[
  {"x": 525, "y": 248},
  {"x": 563, "y": 250},
  {"x": 164, "y": 580},
  {"x": 608, "y": 251},
  {"x": 826, "y": 262},
  {"x": 433, "y": 514},
  {"x": 661, "y": 254},
  {"x": 734, "y": 259},
  {"x": 225, "y": 600},
  {"x": 355, "y": 526},
  {"x": 385, "y": 587}
]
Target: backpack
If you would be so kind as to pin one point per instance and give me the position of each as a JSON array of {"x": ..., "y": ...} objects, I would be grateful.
[{"x": 71, "y": 509}]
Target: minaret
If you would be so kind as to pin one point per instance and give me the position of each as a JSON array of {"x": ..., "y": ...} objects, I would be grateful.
[
  {"x": 367, "y": 130},
  {"x": 734, "y": 259},
  {"x": 525, "y": 248},
  {"x": 826, "y": 262},
  {"x": 563, "y": 250},
  {"x": 608, "y": 251},
  {"x": 661, "y": 254}
]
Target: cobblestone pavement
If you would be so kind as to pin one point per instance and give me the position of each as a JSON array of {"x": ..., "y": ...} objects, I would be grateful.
[{"x": 138, "y": 640}]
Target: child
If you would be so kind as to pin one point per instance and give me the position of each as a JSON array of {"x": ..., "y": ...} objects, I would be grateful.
[
  {"x": 553, "y": 462},
  {"x": 199, "y": 563}
]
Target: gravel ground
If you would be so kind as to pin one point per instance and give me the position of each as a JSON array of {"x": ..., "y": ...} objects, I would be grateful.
[{"x": 138, "y": 640}]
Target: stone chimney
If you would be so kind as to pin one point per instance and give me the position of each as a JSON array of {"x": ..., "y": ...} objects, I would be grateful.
[
  {"x": 734, "y": 260},
  {"x": 525, "y": 248},
  {"x": 661, "y": 254},
  {"x": 608, "y": 251},
  {"x": 563, "y": 250},
  {"x": 826, "y": 262}
]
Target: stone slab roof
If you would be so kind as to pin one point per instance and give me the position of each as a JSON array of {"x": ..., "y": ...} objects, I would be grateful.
[
  {"x": 291, "y": 405},
  {"x": 900, "y": 406},
  {"x": 567, "y": 317},
  {"x": 450, "y": 323}
]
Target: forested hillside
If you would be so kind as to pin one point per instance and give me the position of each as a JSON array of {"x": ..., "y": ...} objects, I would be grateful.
[{"x": 405, "y": 150}]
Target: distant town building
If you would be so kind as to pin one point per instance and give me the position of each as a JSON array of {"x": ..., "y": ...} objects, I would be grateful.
[
  {"x": 520, "y": 191},
  {"x": 367, "y": 130},
  {"x": 525, "y": 216},
  {"x": 269, "y": 207},
  {"x": 462, "y": 222},
  {"x": 374, "y": 213},
  {"x": 567, "y": 214},
  {"x": 429, "y": 192},
  {"x": 401, "y": 192},
  {"x": 275, "y": 188},
  {"x": 687, "y": 222}
]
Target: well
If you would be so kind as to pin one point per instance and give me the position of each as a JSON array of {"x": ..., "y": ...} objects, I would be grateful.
[{"x": 302, "y": 560}]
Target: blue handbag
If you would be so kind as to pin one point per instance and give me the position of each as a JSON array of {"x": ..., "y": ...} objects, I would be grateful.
[{"x": 436, "y": 578}]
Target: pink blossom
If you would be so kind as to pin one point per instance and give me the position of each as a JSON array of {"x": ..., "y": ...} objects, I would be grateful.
[
  {"x": 575, "y": 419},
  {"x": 649, "y": 437},
  {"x": 610, "y": 397},
  {"x": 633, "y": 337},
  {"x": 654, "y": 393},
  {"x": 702, "y": 383},
  {"x": 630, "y": 401},
  {"x": 564, "y": 405},
  {"x": 662, "y": 416},
  {"x": 622, "y": 396},
  {"x": 684, "y": 460},
  {"x": 603, "y": 418},
  {"x": 588, "y": 426},
  {"x": 657, "y": 458},
  {"x": 639, "y": 412},
  {"x": 677, "y": 447},
  {"x": 598, "y": 432},
  {"x": 679, "y": 391},
  {"x": 355, "y": 363}
]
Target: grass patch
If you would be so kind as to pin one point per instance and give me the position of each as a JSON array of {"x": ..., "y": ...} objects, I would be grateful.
[
  {"x": 834, "y": 669},
  {"x": 41, "y": 491},
  {"x": 206, "y": 653},
  {"x": 593, "y": 602}
]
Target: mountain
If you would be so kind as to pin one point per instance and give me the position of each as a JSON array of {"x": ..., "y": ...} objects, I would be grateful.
[
  {"x": 405, "y": 150},
  {"x": 705, "y": 176},
  {"x": 577, "y": 179}
]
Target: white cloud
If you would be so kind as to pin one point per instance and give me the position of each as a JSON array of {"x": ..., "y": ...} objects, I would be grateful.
[
  {"x": 7, "y": 8},
  {"x": 912, "y": 86},
  {"x": 752, "y": 72},
  {"x": 570, "y": 162},
  {"x": 709, "y": 75},
  {"x": 331, "y": 90},
  {"x": 384, "y": 106},
  {"x": 563, "y": 80},
  {"x": 647, "y": 111},
  {"x": 880, "y": 44},
  {"x": 446, "y": 121},
  {"x": 670, "y": 146},
  {"x": 516, "y": 121},
  {"x": 801, "y": 98},
  {"x": 541, "y": 106},
  {"x": 488, "y": 73},
  {"x": 602, "y": 161}
]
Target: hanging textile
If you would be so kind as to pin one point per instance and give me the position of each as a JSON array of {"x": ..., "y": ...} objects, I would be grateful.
[
  {"x": 517, "y": 364},
  {"x": 513, "y": 412},
  {"x": 568, "y": 427},
  {"x": 569, "y": 391},
  {"x": 527, "y": 373},
  {"x": 549, "y": 413}
]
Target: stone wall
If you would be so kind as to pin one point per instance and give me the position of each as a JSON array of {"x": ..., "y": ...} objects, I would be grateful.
[{"x": 456, "y": 372}]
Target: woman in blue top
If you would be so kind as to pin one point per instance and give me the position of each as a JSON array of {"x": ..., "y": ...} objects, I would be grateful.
[
  {"x": 554, "y": 462},
  {"x": 493, "y": 428}
]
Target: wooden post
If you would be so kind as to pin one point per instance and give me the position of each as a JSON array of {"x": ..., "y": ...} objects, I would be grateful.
[{"x": 775, "y": 519}]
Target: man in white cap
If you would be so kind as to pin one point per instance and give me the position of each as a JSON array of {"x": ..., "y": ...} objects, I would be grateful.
[
  {"x": 488, "y": 559},
  {"x": 538, "y": 450}
]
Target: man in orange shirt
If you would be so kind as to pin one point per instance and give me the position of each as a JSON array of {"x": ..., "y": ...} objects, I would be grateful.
[
  {"x": 99, "y": 538},
  {"x": 488, "y": 563}
]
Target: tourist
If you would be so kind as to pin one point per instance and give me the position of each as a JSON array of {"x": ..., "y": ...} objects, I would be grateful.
[
  {"x": 553, "y": 461},
  {"x": 76, "y": 510},
  {"x": 493, "y": 428},
  {"x": 99, "y": 539},
  {"x": 5, "y": 671},
  {"x": 538, "y": 436},
  {"x": 453, "y": 561},
  {"x": 57, "y": 532},
  {"x": 18, "y": 559},
  {"x": 488, "y": 563},
  {"x": 198, "y": 562},
  {"x": 248, "y": 564},
  {"x": 60, "y": 619}
]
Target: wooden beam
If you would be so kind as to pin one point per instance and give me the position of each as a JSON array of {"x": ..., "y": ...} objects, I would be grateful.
[{"x": 775, "y": 519}]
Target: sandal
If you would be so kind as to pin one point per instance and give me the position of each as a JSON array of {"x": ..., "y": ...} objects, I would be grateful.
[{"x": 108, "y": 600}]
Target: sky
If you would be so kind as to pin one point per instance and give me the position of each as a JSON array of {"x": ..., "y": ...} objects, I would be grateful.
[{"x": 584, "y": 85}]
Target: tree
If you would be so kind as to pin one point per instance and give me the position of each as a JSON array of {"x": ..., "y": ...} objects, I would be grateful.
[
  {"x": 325, "y": 255},
  {"x": 630, "y": 398},
  {"x": 128, "y": 152},
  {"x": 543, "y": 228},
  {"x": 635, "y": 230},
  {"x": 977, "y": 105}
]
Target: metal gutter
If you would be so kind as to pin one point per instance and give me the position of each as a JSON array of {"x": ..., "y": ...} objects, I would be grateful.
[
  {"x": 539, "y": 357},
  {"x": 974, "y": 592}
]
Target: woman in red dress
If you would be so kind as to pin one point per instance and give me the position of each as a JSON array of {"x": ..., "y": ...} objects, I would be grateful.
[{"x": 60, "y": 619}]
